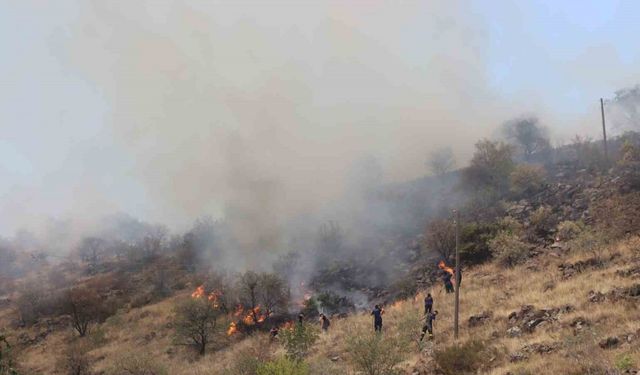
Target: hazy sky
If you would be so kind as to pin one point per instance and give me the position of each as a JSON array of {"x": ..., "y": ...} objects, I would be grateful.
[{"x": 169, "y": 110}]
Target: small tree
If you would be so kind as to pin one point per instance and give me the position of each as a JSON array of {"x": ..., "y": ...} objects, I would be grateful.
[
  {"x": 196, "y": 320},
  {"x": 441, "y": 238},
  {"x": 490, "y": 167},
  {"x": 91, "y": 250},
  {"x": 527, "y": 134},
  {"x": 298, "y": 340},
  {"x": 85, "y": 307},
  {"x": 266, "y": 291},
  {"x": 441, "y": 161}
]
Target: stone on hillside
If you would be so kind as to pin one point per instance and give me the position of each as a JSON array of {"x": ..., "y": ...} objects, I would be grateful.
[
  {"x": 514, "y": 332},
  {"x": 479, "y": 319},
  {"x": 609, "y": 342}
]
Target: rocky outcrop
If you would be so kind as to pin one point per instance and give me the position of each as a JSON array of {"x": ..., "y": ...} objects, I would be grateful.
[{"x": 528, "y": 318}]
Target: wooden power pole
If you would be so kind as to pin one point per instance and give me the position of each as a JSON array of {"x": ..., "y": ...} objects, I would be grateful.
[
  {"x": 457, "y": 275},
  {"x": 604, "y": 131}
]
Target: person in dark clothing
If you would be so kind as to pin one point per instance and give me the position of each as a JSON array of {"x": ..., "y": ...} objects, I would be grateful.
[
  {"x": 377, "y": 318},
  {"x": 428, "y": 324},
  {"x": 324, "y": 322},
  {"x": 428, "y": 303},
  {"x": 274, "y": 332},
  {"x": 448, "y": 285}
]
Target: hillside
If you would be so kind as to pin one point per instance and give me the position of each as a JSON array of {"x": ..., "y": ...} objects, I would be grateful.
[{"x": 551, "y": 285}]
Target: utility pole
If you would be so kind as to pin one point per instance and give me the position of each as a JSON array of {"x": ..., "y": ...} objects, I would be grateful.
[
  {"x": 457, "y": 275},
  {"x": 604, "y": 131}
]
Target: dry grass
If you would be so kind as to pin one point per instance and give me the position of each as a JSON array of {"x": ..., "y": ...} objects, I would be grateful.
[{"x": 486, "y": 288}]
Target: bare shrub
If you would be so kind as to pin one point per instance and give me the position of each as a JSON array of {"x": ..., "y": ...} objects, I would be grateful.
[
  {"x": 508, "y": 249},
  {"x": 527, "y": 179}
]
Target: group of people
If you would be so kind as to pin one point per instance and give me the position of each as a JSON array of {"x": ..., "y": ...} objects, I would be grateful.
[{"x": 429, "y": 316}]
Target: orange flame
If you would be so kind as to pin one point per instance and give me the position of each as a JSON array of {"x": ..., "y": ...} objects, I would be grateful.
[
  {"x": 232, "y": 329},
  {"x": 450, "y": 270},
  {"x": 213, "y": 297},
  {"x": 199, "y": 292},
  {"x": 252, "y": 317}
]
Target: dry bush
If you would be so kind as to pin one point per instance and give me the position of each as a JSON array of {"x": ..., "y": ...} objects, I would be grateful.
[
  {"x": 588, "y": 154},
  {"x": 568, "y": 230},
  {"x": 247, "y": 360},
  {"x": 75, "y": 360},
  {"x": 137, "y": 364},
  {"x": 324, "y": 366},
  {"x": 375, "y": 353},
  {"x": 527, "y": 179},
  {"x": 508, "y": 249},
  {"x": 543, "y": 221},
  {"x": 460, "y": 359},
  {"x": 35, "y": 302},
  {"x": 283, "y": 366},
  {"x": 618, "y": 215}
]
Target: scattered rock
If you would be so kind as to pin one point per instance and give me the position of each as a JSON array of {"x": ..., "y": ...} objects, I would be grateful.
[
  {"x": 514, "y": 332},
  {"x": 595, "y": 297},
  {"x": 609, "y": 342},
  {"x": 579, "y": 324},
  {"x": 541, "y": 348},
  {"x": 479, "y": 319},
  {"x": 528, "y": 318},
  {"x": 518, "y": 357},
  {"x": 569, "y": 270},
  {"x": 632, "y": 272}
]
